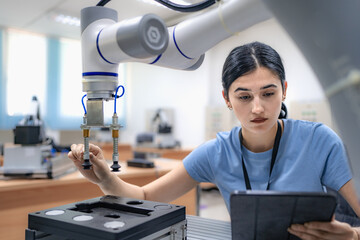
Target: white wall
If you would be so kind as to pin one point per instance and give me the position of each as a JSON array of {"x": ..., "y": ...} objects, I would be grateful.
[
  {"x": 189, "y": 93},
  {"x": 302, "y": 83},
  {"x": 151, "y": 87}
]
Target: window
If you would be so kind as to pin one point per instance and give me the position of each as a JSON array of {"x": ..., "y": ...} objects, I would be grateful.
[
  {"x": 70, "y": 78},
  {"x": 50, "y": 69},
  {"x": 26, "y": 71}
]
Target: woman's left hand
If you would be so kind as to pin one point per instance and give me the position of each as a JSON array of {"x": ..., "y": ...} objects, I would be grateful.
[{"x": 333, "y": 230}]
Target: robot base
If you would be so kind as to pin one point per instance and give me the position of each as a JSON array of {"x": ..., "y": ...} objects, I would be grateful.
[{"x": 109, "y": 217}]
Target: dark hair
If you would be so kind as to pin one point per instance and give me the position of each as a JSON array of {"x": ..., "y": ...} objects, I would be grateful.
[{"x": 247, "y": 58}]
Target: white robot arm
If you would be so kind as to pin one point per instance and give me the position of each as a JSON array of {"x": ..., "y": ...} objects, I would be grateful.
[
  {"x": 146, "y": 39},
  {"x": 106, "y": 43}
]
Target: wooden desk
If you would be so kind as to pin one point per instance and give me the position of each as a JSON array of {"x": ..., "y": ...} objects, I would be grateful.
[
  {"x": 20, "y": 197},
  {"x": 173, "y": 153},
  {"x": 126, "y": 151}
]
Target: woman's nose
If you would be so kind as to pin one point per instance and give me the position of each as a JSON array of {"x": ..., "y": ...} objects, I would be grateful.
[{"x": 257, "y": 106}]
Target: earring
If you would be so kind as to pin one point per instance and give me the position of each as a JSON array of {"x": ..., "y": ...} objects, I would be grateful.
[{"x": 229, "y": 107}]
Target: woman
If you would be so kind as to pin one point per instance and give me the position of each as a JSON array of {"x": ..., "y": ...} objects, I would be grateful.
[{"x": 264, "y": 153}]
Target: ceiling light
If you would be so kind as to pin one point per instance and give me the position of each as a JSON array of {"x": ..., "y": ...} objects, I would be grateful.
[{"x": 66, "y": 19}]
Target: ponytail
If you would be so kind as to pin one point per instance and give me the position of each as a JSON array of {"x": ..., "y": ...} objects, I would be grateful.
[{"x": 283, "y": 112}]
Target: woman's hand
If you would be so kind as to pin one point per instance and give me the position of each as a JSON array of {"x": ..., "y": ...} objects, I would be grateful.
[
  {"x": 99, "y": 172},
  {"x": 333, "y": 230}
]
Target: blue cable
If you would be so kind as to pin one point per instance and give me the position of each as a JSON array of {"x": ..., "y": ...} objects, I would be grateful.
[
  {"x": 82, "y": 101},
  {"x": 116, "y": 96}
]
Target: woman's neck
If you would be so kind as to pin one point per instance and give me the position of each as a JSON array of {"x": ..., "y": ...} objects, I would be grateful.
[{"x": 259, "y": 142}]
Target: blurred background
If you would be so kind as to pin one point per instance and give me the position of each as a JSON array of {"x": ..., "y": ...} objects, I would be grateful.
[
  {"x": 164, "y": 113},
  {"x": 41, "y": 56}
]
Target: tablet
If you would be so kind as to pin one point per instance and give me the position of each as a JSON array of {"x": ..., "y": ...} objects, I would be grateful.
[{"x": 265, "y": 215}]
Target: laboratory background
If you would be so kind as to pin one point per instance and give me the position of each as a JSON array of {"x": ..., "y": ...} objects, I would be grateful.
[
  {"x": 41, "y": 56},
  {"x": 164, "y": 113}
]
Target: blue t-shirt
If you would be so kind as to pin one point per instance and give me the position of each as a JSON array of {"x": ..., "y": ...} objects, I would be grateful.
[{"x": 310, "y": 156}]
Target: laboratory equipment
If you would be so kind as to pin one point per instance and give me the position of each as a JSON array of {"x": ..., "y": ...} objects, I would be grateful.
[
  {"x": 30, "y": 130},
  {"x": 193, "y": 228},
  {"x": 163, "y": 131},
  {"x": 34, "y": 161},
  {"x": 33, "y": 155},
  {"x": 109, "y": 217},
  {"x": 160, "y": 133}
]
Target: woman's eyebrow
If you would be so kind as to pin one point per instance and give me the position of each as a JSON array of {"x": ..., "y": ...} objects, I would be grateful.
[
  {"x": 269, "y": 86},
  {"x": 264, "y": 87},
  {"x": 242, "y": 89}
]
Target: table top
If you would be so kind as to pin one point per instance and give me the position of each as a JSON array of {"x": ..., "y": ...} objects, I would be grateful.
[{"x": 162, "y": 166}]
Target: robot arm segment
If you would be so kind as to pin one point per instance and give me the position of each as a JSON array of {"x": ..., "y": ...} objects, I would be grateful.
[
  {"x": 105, "y": 43},
  {"x": 190, "y": 39},
  {"x": 138, "y": 38}
]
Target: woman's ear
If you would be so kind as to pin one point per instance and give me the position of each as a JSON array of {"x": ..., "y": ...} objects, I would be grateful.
[
  {"x": 227, "y": 102},
  {"x": 225, "y": 98},
  {"x": 285, "y": 89}
]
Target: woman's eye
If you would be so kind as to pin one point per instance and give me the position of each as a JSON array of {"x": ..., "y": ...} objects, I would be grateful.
[
  {"x": 268, "y": 94},
  {"x": 244, "y": 98}
]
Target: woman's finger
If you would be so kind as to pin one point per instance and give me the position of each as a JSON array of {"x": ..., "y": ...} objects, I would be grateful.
[
  {"x": 96, "y": 150},
  {"x": 77, "y": 151}
]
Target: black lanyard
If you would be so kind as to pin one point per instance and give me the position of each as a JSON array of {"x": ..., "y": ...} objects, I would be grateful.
[{"x": 273, "y": 158}]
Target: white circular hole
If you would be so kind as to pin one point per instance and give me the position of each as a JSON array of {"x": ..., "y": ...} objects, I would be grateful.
[
  {"x": 82, "y": 218},
  {"x": 114, "y": 224},
  {"x": 54, "y": 212}
]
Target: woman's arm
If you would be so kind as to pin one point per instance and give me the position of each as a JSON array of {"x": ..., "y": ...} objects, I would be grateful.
[
  {"x": 334, "y": 229},
  {"x": 164, "y": 189},
  {"x": 170, "y": 186},
  {"x": 349, "y": 193},
  {"x": 167, "y": 188}
]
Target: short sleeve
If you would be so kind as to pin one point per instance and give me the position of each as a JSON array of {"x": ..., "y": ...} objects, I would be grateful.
[
  {"x": 336, "y": 171},
  {"x": 197, "y": 163}
]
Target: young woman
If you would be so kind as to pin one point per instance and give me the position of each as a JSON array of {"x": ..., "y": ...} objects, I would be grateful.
[{"x": 268, "y": 152}]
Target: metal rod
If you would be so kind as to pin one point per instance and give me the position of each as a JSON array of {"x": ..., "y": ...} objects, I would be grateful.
[
  {"x": 86, "y": 134},
  {"x": 115, "y": 135}
]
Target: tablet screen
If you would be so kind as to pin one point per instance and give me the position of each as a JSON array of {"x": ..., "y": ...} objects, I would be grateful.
[{"x": 267, "y": 214}]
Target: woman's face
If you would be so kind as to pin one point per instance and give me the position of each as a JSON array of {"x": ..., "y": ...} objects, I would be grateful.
[{"x": 256, "y": 100}]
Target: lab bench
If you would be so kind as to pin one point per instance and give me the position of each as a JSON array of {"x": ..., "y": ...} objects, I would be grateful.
[{"x": 18, "y": 197}]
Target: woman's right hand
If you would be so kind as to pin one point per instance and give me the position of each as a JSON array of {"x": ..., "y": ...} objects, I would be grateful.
[{"x": 99, "y": 172}]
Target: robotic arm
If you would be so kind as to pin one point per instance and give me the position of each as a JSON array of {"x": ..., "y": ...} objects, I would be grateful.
[{"x": 106, "y": 43}]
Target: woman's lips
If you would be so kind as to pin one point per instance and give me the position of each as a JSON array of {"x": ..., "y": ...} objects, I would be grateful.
[{"x": 259, "y": 120}]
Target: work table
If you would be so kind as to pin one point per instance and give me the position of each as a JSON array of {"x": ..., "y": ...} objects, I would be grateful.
[{"x": 18, "y": 197}]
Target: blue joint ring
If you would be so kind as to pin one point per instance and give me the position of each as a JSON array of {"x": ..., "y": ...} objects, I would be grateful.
[
  {"x": 178, "y": 46},
  {"x": 98, "y": 48},
  {"x": 111, "y": 74}
]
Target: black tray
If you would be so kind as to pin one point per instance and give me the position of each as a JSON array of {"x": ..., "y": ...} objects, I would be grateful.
[{"x": 110, "y": 217}]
